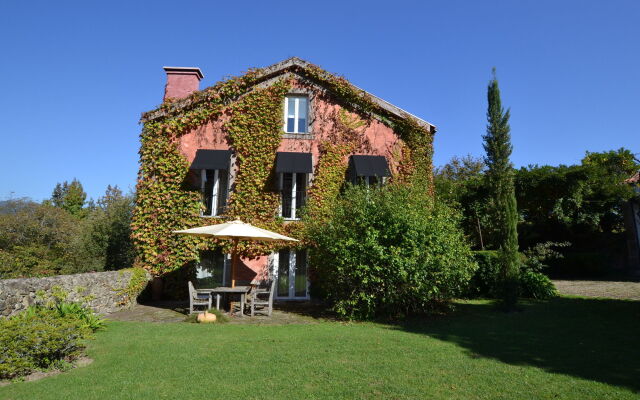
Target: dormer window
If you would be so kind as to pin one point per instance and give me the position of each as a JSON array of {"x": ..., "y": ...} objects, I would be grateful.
[
  {"x": 296, "y": 111},
  {"x": 213, "y": 168}
]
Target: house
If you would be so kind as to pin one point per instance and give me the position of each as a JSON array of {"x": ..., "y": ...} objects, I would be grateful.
[
  {"x": 632, "y": 225},
  {"x": 264, "y": 147}
]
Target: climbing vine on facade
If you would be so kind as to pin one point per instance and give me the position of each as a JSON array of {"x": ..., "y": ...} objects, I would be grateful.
[{"x": 253, "y": 112}]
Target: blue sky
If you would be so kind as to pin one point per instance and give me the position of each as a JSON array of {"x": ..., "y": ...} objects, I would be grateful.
[{"x": 77, "y": 75}]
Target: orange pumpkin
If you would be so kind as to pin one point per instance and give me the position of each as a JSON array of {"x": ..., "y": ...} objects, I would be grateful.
[{"x": 206, "y": 317}]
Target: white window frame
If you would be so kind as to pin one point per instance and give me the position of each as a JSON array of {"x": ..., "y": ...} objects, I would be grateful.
[
  {"x": 296, "y": 114},
  {"x": 294, "y": 201},
  {"x": 275, "y": 258},
  {"x": 382, "y": 180},
  {"x": 214, "y": 194}
]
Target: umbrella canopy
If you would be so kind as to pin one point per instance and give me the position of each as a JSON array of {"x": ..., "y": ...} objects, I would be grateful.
[{"x": 236, "y": 230}]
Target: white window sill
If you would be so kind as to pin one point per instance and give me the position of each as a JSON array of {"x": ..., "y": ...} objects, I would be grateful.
[{"x": 300, "y": 135}]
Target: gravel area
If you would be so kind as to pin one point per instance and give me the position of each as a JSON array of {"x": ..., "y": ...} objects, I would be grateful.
[{"x": 604, "y": 289}]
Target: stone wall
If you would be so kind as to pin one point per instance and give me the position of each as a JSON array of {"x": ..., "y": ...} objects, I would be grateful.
[{"x": 101, "y": 288}]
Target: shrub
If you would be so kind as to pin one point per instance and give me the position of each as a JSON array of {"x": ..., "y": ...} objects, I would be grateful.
[
  {"x": 85, "y": 315},
  {"x": 56, "y": 301},
  {"x": 536, "y": 285},
  {"x": 388, "y": 252},
  {"x": 38, "y": 339},
  {"x": 45, "y": 335},
  {"x": 533, "y": 283},
  {"x": 485, "y": 281}
]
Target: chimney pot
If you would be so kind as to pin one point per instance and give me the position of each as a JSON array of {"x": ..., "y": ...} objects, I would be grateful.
[{"x": 181, "y": 81}]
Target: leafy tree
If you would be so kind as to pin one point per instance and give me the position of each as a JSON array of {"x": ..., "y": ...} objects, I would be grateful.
[
  {"x": 36, "y": 239},
  {"x": 497, "y": 144},
  {"x": 461, "y": 169},
  {"x": 388, "y": 252},
  {"x": 110, "y": 229},
  {"x": 582, "y": 204},
  {"x": 70, "y": 197},
  {"x": 461, "y": 184},
  {"x": 47, "y": 239}
]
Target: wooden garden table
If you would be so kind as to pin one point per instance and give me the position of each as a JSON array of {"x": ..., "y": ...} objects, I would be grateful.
[{"x": 241, "y": 290}]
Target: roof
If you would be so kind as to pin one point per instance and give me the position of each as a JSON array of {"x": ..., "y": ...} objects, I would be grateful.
[
  {"x": 634, "y": 179},
  {"x": 298, "y": 66}
]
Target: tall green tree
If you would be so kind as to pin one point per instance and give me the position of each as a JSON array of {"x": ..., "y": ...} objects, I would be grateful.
[
  {"x": 70, "y": 197},
  {"x": 499, "y": 175},
  {"x": 111, "y": 228}
]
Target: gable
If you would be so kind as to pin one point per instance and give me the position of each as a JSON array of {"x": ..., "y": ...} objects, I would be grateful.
[{"x": 342, "y": 90}]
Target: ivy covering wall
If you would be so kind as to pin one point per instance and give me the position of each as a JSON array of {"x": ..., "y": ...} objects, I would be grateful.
[{"x": 254, "y": 110}]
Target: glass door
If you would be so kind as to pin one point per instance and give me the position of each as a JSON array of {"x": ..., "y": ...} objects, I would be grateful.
[{"x": 291, "y": 274}]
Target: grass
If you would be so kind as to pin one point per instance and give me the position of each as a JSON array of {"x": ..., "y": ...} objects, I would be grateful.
[{"x": 568, "y": 348}]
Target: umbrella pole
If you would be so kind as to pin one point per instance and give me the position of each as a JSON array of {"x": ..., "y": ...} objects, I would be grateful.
[{"x": 234, "y": 260}]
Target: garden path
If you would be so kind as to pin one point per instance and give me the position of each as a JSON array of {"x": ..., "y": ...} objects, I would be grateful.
[
  {"x": 603, "y": 289},
  {"x": 166, "y": 311}
]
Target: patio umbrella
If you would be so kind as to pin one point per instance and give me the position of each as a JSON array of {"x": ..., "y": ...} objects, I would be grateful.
[{"x": 236, "y": 231}]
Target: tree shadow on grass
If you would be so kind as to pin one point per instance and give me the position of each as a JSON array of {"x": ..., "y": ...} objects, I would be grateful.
[{"x": 593, "y": 339}]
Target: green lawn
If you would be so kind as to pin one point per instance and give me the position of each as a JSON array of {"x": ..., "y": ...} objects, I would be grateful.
[{"x": 569, "y": 348}]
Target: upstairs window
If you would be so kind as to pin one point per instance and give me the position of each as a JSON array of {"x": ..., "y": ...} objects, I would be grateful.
[
  {"x": 370, "y": 180},
  {"x": 213, "y": 168},
  {"x": 296, "y": 110},
  {"x": 368, "y": 170},
  {"x": 293, "y": 171},
  {"x": 293, "y": 194},
  {"x": 215, "y": 188}
]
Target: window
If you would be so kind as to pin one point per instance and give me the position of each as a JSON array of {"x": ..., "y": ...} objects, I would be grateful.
[
  {"x": 368, "y": 170},
  {"x": 370, "y": 180},
  {"x": 296, "y": 110},
  {"x": 293, "y": 171},
  {"x": 213, "y": 270},
  {"x": 293, "y": 194},
  {"x": 291, "y": 274},
  {"x": 214, "y": 187}
]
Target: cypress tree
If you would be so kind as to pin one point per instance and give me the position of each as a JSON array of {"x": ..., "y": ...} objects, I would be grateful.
[{"x": 497, "y": 144}]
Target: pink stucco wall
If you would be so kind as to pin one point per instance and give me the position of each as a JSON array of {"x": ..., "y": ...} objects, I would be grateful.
[
  {"x": 377, "y": 139},
  {"x": 210, "y": 136}
]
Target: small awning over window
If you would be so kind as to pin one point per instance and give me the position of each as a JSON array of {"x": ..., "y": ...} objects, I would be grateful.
[
  {"x": 211, "y": 159},
  {"x": 369, "y": 166},
  {"x": 294, "y": 162}
]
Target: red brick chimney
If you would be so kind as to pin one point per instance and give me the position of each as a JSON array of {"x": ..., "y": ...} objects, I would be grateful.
[{"x": 181, "y": 81}]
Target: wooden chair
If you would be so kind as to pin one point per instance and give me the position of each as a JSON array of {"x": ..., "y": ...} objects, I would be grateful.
[
  {"x": 198, "y": 298},
  {"x": 262, "y": 297}
]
